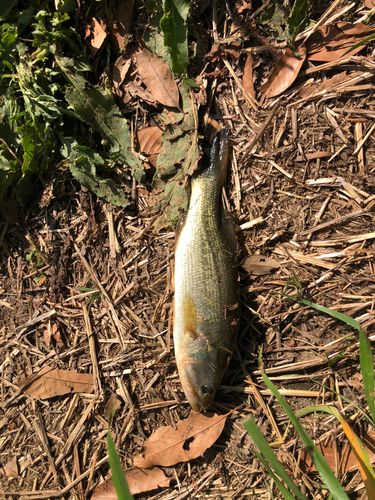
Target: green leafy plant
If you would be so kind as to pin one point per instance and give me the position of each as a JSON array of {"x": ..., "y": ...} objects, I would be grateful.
[
  {"x": 286, "y": 24},
  {"x": 173, "y": 24},
  {"x": 44, "y": 96}
]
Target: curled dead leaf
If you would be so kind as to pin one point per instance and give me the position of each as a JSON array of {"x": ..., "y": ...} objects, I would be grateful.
[
  {"x": 49, "y": 382},
  {"x": 139, "y": 481},
  {"x": 334, "y": 39},
  {"x": 158, "y": 78},
  {"x": 348, "y": 460},
  {"x": 149, "y": 140},
  {"x": 247, "y": 78},
  {"x": 10, "y": 469},
  {"x": 284, "y": 73},
  {"x": 259, "y": 265},
  {"x": 327, "y": 84},
  {"x": 97, "y": 35},
  {"x": 168, "y": 446},
  {"x": 112, "y": 405},
  {"x": 119, "y": 15},
  {"x": 120, "y": 69}
]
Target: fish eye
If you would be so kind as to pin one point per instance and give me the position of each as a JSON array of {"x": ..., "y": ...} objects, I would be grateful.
[{"x": 207, "y": 390}]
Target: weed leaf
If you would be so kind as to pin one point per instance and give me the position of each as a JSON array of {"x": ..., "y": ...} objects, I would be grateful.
[
  {"x": 297, "y": 18},
  {"x": 173, "y": 24}
]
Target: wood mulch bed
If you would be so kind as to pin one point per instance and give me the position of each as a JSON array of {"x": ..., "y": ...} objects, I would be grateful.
[{"x": 88, "y": 288}]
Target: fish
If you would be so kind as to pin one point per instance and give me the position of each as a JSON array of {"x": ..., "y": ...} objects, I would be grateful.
[{"x": 206, "y": 301}]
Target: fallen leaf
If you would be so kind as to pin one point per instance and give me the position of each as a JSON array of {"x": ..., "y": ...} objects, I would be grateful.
[
  {"x": 49, "y": 382},
  {"x": 158, "y": 78},
  {"x": 57, "y": 336},
  {"x": 138, "y": 91},
  {"x": 284, "y": 73},
  {"x": 120, "y": 69},
  {"x": 326, "y": 84},
  {"x": 168, "y": 446},
  {"x": 149, "y": 140},
  {"x": 96, "y": 37},
  {"x": 52, "y": 331},
  {"x": 347, "y": 458},
  {"x": 370, "y": 4},
  {"x": 11, "y": 469},
  {"x": 112, "y": 405},
  {"x": 119, "y": 14},
  {"x": 334, "y": 39},
  {"x": 139, "y": 481},
  {"x": 247, "y": 78},
  {"x": 259, "y": 265}
]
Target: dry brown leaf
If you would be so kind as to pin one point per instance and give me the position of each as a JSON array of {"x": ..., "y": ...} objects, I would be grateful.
[
  {"x": 259, "y": 265},
  {"x": 120, "y": 69},
  {"x": 348, "y": 459},
  {"x": 370, "y": 4},
  {"x": 137, "y": 91},
  {"x": 57, "y": 336},
  {"x": 11, "y": 469},
  {"x": 247, "y": 78},
  {"x": 149, "y": 140},
  {"x": 284, "y": 73},
  {"x": 168, "y": 446},
  {"x": 52, "y": 331},
  {"x": 97, "y": 36},
  {"x": 158, "y": 78},
  {"x": 335, "y": 39},
  {"x": 139, "y": 481},
  {"x": 112, "y": 405},
  {"x": 326, "y": 84},
  {"x": 119, "y": 14},
  {"x": 49, "y": 382}
]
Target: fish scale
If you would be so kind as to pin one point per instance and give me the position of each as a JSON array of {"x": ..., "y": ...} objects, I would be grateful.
[{"x": 206, "y": 310}]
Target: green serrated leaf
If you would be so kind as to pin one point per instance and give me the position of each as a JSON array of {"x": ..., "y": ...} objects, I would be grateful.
[
  {"x": 84, "y": 171},
  {"x": 173, "y": 24},
  {"x": 83, "y": 162},
  {"x": 190, "y": 83},
  {"x": 100, "y": 111}
]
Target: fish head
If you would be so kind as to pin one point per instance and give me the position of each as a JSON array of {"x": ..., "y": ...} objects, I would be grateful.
[{"x": 201, "y": 378}]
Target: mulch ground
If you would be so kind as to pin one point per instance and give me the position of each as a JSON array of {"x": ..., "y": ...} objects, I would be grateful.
[{"x": 88, "y": 287}]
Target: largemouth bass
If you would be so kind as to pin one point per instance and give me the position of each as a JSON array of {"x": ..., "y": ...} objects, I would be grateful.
[{"x": 206, "y": 304}]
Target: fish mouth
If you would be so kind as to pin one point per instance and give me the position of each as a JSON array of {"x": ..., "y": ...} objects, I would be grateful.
[{"x": 193, "y": 391}]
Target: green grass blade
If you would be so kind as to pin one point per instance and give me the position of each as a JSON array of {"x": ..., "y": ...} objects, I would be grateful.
[
  {"x": 367, "y": 369},
  {"x": 286, "y": 493},
  {"x": 356, "y": 444},
  {"x": 321, "y": 465},
  {"x": 335, "y": 314},
  {"x": 362, "y": 42},
  {"x": 365, "y": 351},
  {"x": 266, "y": 451},
  {"x": 118, "y": 476}
]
